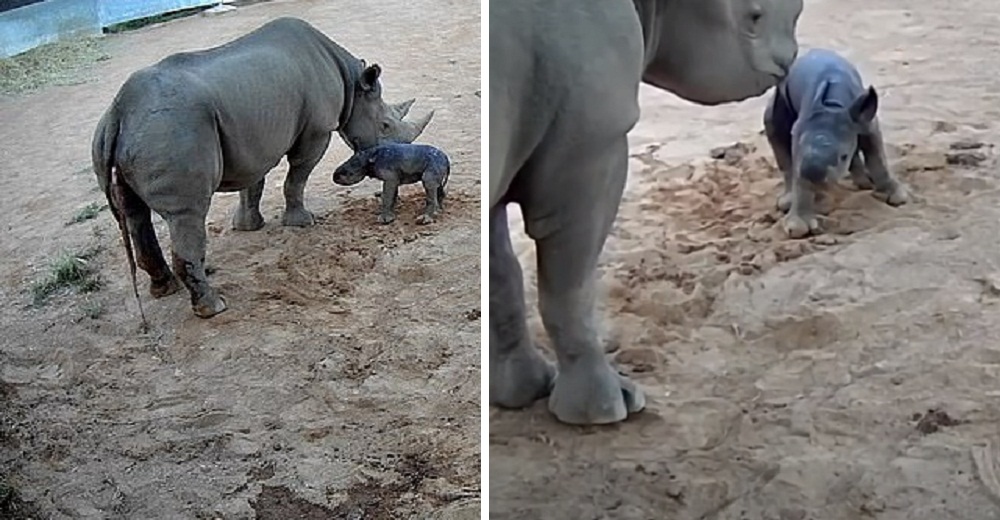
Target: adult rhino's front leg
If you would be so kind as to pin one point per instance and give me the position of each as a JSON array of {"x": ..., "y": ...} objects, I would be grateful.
[
  {"x": 519, "y": 375},
  {"x": 570, "y": 229},
  {"x": 303, "y": 157}
]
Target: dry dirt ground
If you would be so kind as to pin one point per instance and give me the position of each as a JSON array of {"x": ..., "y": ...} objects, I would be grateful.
[
  {"x": 344, "y": 380},
  {"x": 849, "y": 376}
]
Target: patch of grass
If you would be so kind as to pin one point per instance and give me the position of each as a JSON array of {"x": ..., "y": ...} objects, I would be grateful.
[
  {"x": 59, "y": 63},
  {"x": 87, "y": 212},
  {"x": 93, "y": 309},
  {"x": 68, "y": 271},
  {"x": 132, "y": 25}
]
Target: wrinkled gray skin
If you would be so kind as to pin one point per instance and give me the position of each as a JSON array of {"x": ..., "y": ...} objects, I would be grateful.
[
  {"x": 219, "y": 120},
  {"x": 564, "y": 81},
  {"x": 395, "y": 164},
  {"x": 821, "y": 123}
]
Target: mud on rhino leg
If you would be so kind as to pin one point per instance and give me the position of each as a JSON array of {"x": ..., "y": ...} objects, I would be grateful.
[
  {"x": 247, "y": 216},
  {"x": 569, "y": 232},
  {"x": 149, "y": 256},
  {"x": 187, "y": 232},
  {"x": 303, "y": 157},
  {"x": 519, "y": 375}
]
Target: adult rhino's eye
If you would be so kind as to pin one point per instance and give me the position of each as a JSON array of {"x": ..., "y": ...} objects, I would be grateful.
[
  {"x": 756, "y": 17},
  {"x": 843, "y": 158}
]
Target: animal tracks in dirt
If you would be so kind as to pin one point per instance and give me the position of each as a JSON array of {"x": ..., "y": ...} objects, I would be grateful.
[{"x": 698, "y": 224}]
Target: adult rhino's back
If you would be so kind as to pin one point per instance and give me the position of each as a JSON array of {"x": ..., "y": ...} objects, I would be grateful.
[{"x": 262, "y": 89}]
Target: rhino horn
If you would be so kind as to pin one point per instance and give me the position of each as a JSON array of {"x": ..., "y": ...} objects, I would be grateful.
[
  {"x": 414, "y": 129},
  {"x": 401, "y": 109}
]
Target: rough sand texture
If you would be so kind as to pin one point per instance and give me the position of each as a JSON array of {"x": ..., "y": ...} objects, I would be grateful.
[
  {"x": 344, "y": 380},
  {"x": 794, "y": 380}
]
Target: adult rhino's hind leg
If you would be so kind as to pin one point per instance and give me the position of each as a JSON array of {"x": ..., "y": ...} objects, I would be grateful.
[
  {"x": 149, "y": 256},
  {"x": 303, "y": 157},
  {"x": 187, "y": 232},
  {"x": 519, "y": 375},
  {"x": 247, "y": 216},
  {"x": 570, "y": 229}
]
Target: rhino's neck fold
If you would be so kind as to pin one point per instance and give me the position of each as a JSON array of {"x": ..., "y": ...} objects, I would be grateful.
[{"x": 350, "y": 71}]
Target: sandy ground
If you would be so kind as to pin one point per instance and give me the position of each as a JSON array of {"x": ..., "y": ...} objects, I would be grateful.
[
  {"x": 849, "y": 376},
  {"x": 344, "y": 380}
]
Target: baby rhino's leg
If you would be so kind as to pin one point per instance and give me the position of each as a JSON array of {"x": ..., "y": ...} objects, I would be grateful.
[
  {"x": 433, "y": 180},
  {"x": 887, "y": 187},
  {"x": 390, "y": 189}
]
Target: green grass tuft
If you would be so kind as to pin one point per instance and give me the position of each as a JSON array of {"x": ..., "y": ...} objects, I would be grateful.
[
  {"x": 93, "y": 309},
  {"x": 68, "y": 271},
  {"x": 87, "y": 212}
]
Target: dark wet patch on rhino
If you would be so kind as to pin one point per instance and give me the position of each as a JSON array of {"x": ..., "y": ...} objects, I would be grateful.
[{"x": 280, "y": 503}]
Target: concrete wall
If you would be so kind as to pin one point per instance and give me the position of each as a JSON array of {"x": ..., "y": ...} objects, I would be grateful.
[{"x": 27, "y": 27}]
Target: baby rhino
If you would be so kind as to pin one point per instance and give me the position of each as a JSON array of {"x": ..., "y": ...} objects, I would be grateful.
[
  {"x": 396, "y": 164},
  {"x": 822, "y": 123}
]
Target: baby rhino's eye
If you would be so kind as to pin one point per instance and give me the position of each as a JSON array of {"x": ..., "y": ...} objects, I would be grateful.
[{"x": 843, "y": 157}]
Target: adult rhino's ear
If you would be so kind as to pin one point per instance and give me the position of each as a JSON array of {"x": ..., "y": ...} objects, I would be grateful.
[
  {"x": 864, "y": 108},
  {"x": 369, "y": 77}
]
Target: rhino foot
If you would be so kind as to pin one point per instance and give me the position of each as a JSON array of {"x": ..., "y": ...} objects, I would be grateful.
[
  {"x": 159, "y": 289},
  {"x": 248, "y": 221},
  {"x": 425, "y": 219},
  {"x": 800, "y": 227},
  {"x": 386, "y": 218},
  {"x": 298, "y": 217},
  {"x": 784, "y": 202},
  {"x": 209, "y": 305},
  {"x": 592, "y": 392},
  {"x": 896, "y": 195},
  {"x": 862, "y": 181},
  {"x": 520, "y": 379}
]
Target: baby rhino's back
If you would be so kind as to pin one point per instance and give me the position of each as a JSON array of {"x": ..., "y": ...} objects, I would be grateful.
[{"x": 411, "y": 160}]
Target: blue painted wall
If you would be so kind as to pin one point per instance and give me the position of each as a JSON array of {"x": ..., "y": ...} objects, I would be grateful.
[{"x": 27, "y": 27}]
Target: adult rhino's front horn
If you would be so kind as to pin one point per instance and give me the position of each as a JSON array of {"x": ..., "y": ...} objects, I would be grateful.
[{"x": 411, "y": 129}]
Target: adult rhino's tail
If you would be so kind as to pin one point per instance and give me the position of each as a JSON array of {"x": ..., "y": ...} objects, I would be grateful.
[{"x": 110, "y": 180}]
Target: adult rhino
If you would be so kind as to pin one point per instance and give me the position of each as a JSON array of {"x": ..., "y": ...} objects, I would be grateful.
[
  {"x": 220, "y": 119},
  {"x": 564, "y": 81}
]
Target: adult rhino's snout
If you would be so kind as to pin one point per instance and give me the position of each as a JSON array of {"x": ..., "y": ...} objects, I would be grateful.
[{"x": 784, "y": 58}]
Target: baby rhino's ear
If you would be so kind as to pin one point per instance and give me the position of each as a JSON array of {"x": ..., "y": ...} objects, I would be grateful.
[{"x": 864, "y": 107}]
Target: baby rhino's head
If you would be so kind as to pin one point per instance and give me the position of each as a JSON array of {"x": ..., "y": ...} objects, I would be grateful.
[
  {"x": 827, "y": 139},
  {"x": 353, "y": 170}
]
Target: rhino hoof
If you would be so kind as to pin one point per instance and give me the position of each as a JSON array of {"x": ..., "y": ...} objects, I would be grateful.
[
  {"x": 298, "y": 218},
  {"x": 165, "y": 288},
  {"x": 386, "y": 218},
  {"x": 210, "y": 306},
  {"x": 425, "y": 219},
  {"x": 251, "y": 222}
]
